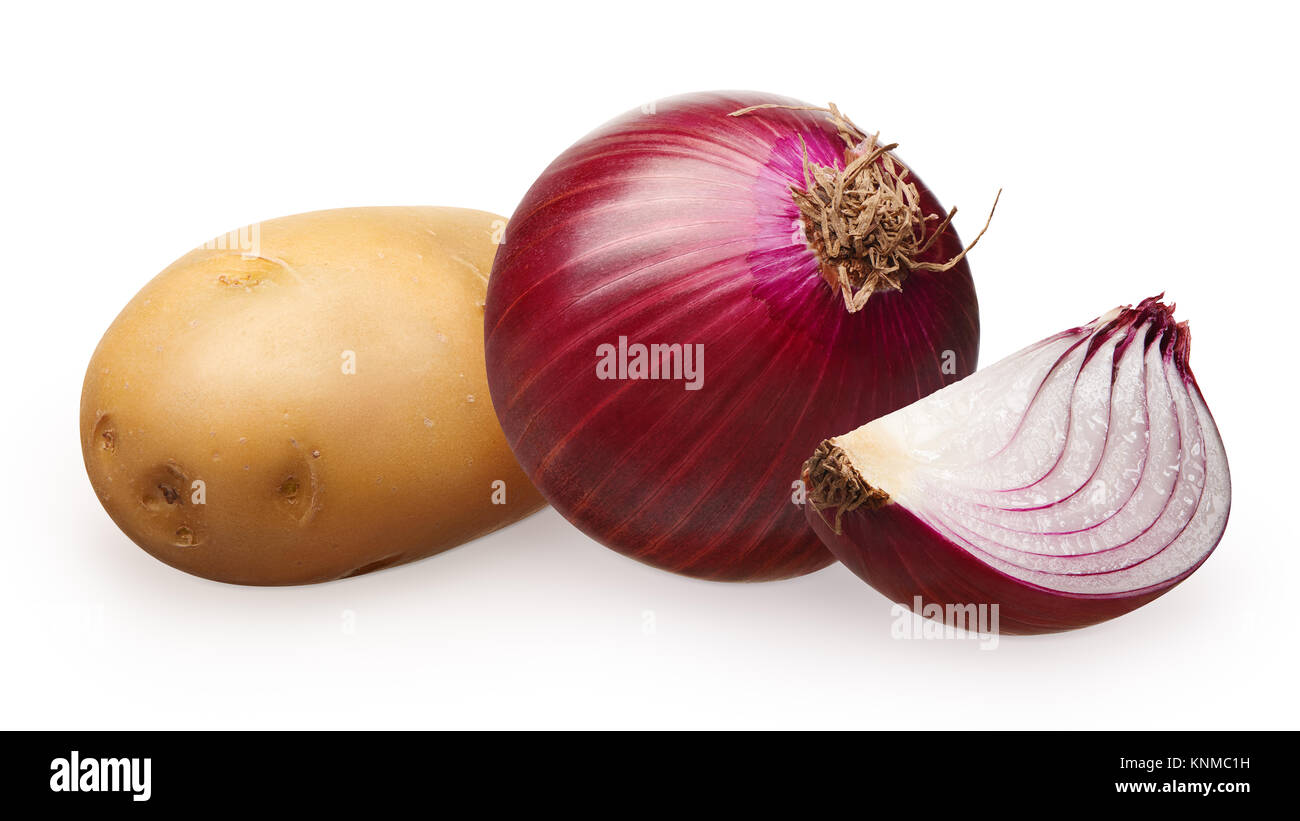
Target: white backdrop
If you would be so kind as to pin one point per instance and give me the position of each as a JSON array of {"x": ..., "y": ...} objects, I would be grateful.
[{"x": 1142, "y": 148}]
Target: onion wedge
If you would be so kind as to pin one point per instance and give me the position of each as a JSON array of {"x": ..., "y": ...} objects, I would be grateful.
[{"x": 1068, "y": 484}]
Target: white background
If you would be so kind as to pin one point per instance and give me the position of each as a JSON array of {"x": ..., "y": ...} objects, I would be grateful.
[{"x": 1142, "y": 148}]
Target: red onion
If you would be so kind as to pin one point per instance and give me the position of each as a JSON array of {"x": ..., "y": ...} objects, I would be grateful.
[
  {"x": 680, "y": 224},
  {"x": 1068, "y": 484}
]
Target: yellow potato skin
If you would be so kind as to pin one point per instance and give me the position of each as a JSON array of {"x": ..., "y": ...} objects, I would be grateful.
[{"x": 307, "y": 400}]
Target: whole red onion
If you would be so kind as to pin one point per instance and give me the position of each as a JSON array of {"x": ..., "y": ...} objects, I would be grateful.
[
  {"x": 1067, "y": 484},
  {"x": 679, "y": 224}
]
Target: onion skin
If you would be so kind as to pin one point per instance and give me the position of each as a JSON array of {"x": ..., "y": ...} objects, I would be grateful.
[
  {"x": 674, "y": 226},
  {"x": 902, "y": 557}
]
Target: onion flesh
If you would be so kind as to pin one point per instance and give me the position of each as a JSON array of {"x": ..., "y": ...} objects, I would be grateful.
[{"x": 1068, "y": 483}]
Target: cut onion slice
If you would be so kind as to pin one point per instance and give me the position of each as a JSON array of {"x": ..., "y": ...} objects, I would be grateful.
[{"x": 1069, "y": 483}]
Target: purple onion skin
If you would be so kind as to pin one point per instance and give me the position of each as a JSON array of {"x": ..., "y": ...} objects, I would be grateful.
[
  {"x": 902, "y": 557},
  {"x": 677, "y": 226}
]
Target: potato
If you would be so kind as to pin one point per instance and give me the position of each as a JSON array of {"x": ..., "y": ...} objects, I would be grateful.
[{"x": 306, "y": 400}]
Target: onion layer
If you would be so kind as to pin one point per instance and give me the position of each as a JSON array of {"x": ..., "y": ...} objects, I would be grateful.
[
  {"x": 1068, "y": 484},
  {"x": 681, "y": 226}
]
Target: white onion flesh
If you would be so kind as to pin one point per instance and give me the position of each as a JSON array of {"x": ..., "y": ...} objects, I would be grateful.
[{"x": 1063, "y": 466}]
